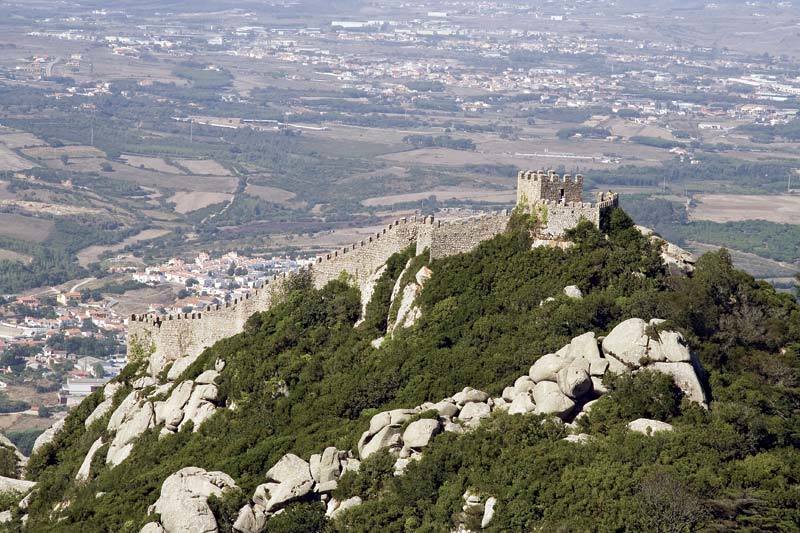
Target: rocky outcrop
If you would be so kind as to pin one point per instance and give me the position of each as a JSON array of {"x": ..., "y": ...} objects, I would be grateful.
[
  {"x": 83, "y": 471},
  {"x": 676, "y": 258},
  {"x": 408, "y": 311},
  {"x": 10, "y": 484},
  {"x": 105, "y": 406},
  {"x": 183, "y": 501},
  {"x": 138, "y": 419},
  {"x": 289, "y": 480},
  {"x": 47, "y": 436},
  {"x": 648, "y": 427}
]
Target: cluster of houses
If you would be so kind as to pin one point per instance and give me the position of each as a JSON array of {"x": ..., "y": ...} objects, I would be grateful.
[
  {"x": 207, "y": 281},
  {"x": 33, "y": 323}
]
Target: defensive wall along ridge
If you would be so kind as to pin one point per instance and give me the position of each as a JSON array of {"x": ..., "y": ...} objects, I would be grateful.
[
  {"x": 554, "y": 199},
  {"x": 167, "y": 338}
]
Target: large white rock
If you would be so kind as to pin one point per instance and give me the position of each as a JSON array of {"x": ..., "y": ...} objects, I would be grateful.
[
  {"x": 488, "y": 511},
  {"x": 523, "y": 384},
  {"x": 395, "y": 417},
  {"x": 287, "y": 481},
  {"x": 670, "y": 347},
  {"x": 338, "y": 508},
  {"x": 550, "y": 400},
  {"x": 546, "y": 367},
  {"x": 573, "y": 291},
  {"x": 199, "y": 407},
  {"x": 367, "y": 290},
  {"x": 122, "y": 411},
  {"x": 105, "y": 406},
  {"x": 584, "y": 346},
  {"x": 407, "y": 312},
  {"x": 83, "y": 471},
  {"x": 10, "y": 484},
  {"x": 47, "y": 436},
  {"x": 138, "y": 421},
  {"x": 574, "y": 379},
  {"x": 251, "y": 519},
  {"x": 446, "y": 409},
  {"x": 207, "y": 377},
  {"x": 183, "y": 502},
  {"x": 330, "y": 466},
  {"x": 388, "y": 437},
  {"x": 419, "y": 433},
  {"x": 685, "y": 378},
  {"x": 647, "y": 426},
  {"x": 521, "y": 405},
  {"x": 627, "y": 341},
  {"x": 473, "y": 412},
  {"x": 152, "y": 527},
  {"x": 170, "y": 413},
  {"x": 468, "y": 395},
  {"x": 180, "y": 365}
]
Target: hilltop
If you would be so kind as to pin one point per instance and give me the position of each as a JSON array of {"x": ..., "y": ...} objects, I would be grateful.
[{"x": 515, "y": 386}]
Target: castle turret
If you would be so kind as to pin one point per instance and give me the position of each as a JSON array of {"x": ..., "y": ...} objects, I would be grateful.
[{"x": 537, "y": 186}]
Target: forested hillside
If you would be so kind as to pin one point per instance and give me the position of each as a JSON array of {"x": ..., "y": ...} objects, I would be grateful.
[{"x": 301, "y": 378}]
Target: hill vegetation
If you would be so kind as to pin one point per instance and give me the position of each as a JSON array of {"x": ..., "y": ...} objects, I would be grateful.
[{"x": 303, "y": 377}]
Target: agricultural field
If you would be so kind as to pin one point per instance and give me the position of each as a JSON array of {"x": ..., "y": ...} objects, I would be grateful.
[
  {"x": 186, "y": 202},
  {"x": 782, "y": 209},
  {"x": 25, "y": 228},
  {"x": 203, "y": 167}
]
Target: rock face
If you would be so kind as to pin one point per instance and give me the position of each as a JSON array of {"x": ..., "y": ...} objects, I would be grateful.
[
  {"x": 419, "y": 433},
  {"x": 105, "y": 406},
  {"x": 288, "y": 480},
  {"x": 83, "y": 471},
  {"x": 8, "y": 484},
  {"x": 183, "y": 503},
  {"x": 137, "y": 420},
  {"x": 572, "y": 291},
  {"x": 48, "y": 436},
  {"x": 550, "y": 400}
]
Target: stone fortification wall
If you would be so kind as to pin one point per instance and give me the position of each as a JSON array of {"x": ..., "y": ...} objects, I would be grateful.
[
  {"x": 172, "y": 336},
  {"x": 444, "y": 239},
  {"x": 564, "y": 216},
  {"x": 167, "y": 338},
  {"x": 363, "y": 258}
]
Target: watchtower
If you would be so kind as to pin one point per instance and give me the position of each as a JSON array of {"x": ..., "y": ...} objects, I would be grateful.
[{"x": 535, "y": 186}]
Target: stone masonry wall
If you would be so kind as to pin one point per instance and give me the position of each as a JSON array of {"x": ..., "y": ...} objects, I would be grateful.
[
  {"x": 171, "y": 337},
  {"x": 451, "y": 238}
]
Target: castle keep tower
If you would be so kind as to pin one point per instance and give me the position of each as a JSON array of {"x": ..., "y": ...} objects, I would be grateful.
[
  {"x": 537, "y": 185},
  {"x": 557, "y": 201}
]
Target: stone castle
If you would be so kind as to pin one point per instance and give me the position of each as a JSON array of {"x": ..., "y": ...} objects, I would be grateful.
[{"x": 555, "y": 200}]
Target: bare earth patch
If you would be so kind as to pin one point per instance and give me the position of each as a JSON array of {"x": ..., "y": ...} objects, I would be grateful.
[
  {"x": 186, "y": 202},
  {"x": 11, "y": 161},
  {"x": 782, "y": 209},
  {"x": 92, "y": 254},
  {"x": 20, "y": 140},
  {"x": 443, "y": 194},
  {"x": 206, "y": 167},
  {"x": 270, "y": 194},
  {"x": 151, "y": 163}
]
